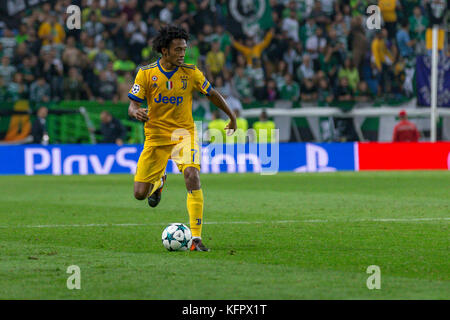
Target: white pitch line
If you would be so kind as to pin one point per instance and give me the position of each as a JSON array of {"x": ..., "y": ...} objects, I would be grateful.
[{"x": 227, "y": 222}]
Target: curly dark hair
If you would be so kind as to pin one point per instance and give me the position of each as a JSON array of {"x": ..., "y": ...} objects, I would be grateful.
[{"x": 166, "y": 35}]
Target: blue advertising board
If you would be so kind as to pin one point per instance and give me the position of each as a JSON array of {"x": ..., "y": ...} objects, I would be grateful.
[{"x": 215, "y": 158}]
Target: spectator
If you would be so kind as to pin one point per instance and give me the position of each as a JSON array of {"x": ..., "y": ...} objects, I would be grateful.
[
  {"x": 344, "y": 92},
  {"x": 387, "y": 8},
  {"x": 363, "y": 93},
  {"x": 291, "y": 26},
  {"x": 73, "y": 85},
  {"x": 383, "y": 59},
  {"x": 405, "y": 131},
  {"x": 308, "y": 30},
  {"x": 306, "y": 70},
  {"x": 315, "y": 43},
  {"x": 33, "y": 43},
  {"x": 263, "y": 129},
  {"x": 166, "y": 14},
  {"x": 215, "y": 60},
  {"x": 28, "y": 68},
  {"x": 225, "y": 44},
  {"x": 111, "y": 129},
  {"x": 20, "y": 53},
  {"x": 130, "y": 8},
  {"x": 292, "y": 56},
  {"x": 308, "y": 91},
  {"x": 252, "y": 50},
  {"x": 136, "y": 32},
  {"x": 255, "y": 72},
  {"x": 358, "y": 7},
  {"x": 203, "y": 15},
  {"x": 93, "y": 26},
  {"x": 101, "y": 56},
  {"x": 52, "y": 68},
  {"x": 40, "y": 91},
  {"x": 8, "y": 42},
  {"x": 22, "y": 36},
  {"x": 107, "y": 88},
  {"x": 110, "y": 14},
  {"x": 6, "y": 69},
  {"x": 279, "y": 75},
  {"x": 93, "y": 7},
  {"x": 319, "y": 15},
  {"x": 118, "y": 33},
  {"x": 329, "y": 7},
  {"x": 39, "y": 127},
  {"x": 271, "y": 91},
  {"x": 404, "y": 42},
  {"x": 418, "y": 24},
  {"x": 278, "y": 45},
  {"x": 227, "y": 94},
  {"x": 290, "y": 90},
  {"x": 72, "y": 56},
  {"x": 183, "y": 15},
  {"x": 350, "y": 72},
  {"x": 17, "y": 90},
  {"x": 337, "y": 46},
  {"x": 242, "y": 84},
  {"x": 324, "y": 94},
  {"x": 51, "y": 32},
  {"x": 358, "y": 43},
  {"x": 204, "y": 47},
  {"x": 342, "y": 29}
]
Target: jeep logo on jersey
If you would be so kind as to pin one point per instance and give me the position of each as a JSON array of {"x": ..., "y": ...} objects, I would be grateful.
[{"x": 171, "y": 100}]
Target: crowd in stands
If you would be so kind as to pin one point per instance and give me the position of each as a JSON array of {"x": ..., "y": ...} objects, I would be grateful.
[{"x": 317, "y": 52}]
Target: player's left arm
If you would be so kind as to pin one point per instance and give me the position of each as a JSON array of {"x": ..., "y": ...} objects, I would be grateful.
[
  {"x": 202, "y": 85},
  {"x": 217, "y": 99}
]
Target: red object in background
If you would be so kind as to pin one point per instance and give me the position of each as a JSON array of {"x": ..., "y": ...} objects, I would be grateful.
[
  {"x": 405, "y": 131},
  {"x": 404, "y": 156}
]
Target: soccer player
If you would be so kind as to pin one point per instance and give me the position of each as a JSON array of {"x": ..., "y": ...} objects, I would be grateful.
[{"x": 170, "y": 132}]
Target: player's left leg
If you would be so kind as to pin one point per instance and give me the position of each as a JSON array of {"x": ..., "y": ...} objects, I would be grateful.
[
  {"x": 187, "y": 157},
  {"x": 195, "y": 206},
  {"x": 150, "y": 176}
]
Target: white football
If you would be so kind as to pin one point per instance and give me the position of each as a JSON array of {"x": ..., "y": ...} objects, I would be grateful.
[{"x": 177, "y": 237}]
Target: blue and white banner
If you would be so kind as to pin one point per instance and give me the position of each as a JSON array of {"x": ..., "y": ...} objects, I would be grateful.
[
  {"x": 423, "y": 81},
  {"x": 216, "y": 158}
]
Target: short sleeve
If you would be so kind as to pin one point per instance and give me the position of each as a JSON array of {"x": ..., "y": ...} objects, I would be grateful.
[
  {"x": 201, "y": 84},
  {"x": 137, "y": 91}
]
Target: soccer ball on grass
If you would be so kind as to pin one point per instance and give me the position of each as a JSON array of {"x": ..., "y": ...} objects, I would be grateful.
[{"x": 177, "y": 237}]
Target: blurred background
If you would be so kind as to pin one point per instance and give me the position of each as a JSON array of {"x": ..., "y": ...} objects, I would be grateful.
[{"x": 312, "y": 69}]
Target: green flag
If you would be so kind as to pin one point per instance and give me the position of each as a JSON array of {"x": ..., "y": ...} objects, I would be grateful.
[{"x": 249, "y": 14}]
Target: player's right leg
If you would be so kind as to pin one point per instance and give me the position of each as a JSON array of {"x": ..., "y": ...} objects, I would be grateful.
[
  {"x": 141, "y": 190},
  {"x": 150, "y": 170}
]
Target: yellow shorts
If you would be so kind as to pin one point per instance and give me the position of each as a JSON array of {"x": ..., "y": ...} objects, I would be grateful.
[{"x": 153, "y": 160}]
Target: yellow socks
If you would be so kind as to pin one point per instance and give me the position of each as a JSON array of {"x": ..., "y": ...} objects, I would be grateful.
[{"x": 195, "y": 210}]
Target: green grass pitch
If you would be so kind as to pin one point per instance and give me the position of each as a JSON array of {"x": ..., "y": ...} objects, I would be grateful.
[{"x": 285, "y": 236}]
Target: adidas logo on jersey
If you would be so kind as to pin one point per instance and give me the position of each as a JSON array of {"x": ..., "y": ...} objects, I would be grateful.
[{"x": 171, "y": 100}]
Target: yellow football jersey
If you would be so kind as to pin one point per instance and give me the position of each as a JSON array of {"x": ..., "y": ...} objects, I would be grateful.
[{"x": 169, "y": 99}]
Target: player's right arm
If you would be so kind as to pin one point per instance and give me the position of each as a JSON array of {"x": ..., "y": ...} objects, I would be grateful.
[
  {"x": 135, "y": 111},
  {"x": 137, "y": 96}
]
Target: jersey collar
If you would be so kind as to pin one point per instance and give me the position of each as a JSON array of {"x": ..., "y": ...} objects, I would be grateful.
[{"x": 166, "y": 73}]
